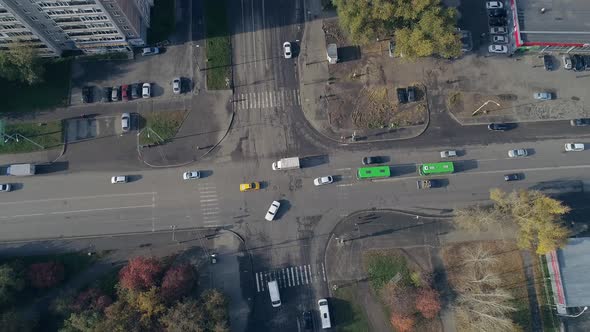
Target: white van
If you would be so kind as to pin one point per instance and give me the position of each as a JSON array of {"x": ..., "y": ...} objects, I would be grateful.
[
  {"x": 275, "y": 296},
  {"x": 324, "y": 313}
]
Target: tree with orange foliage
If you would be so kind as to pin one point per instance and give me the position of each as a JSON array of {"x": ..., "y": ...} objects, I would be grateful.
[
  {"x": 141, "y": 273},
  {"x": 428, "y": 303},
  {"x": 401, "y": 322}
]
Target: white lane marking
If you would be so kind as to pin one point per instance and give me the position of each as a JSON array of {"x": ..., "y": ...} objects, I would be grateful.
[
  {"x": 209, "y": 213},
  {"x": 77, "y": 198},
  {"x": 344, "y": 169},
  {"x": 298, "y": 97},
  {"x": 324, "y": 271},
  {"x": 257, "y": 284},
  {"x": 77, "y": 211},
  {"x": 345, "y": 185},
  {"x": 207, "y": 195},
  {"x": 209, "y": 200}
]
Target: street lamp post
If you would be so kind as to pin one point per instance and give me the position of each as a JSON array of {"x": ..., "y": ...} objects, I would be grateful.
[
  {"x": 173, "y": 230},
  {"x": 577, "y": 315}
]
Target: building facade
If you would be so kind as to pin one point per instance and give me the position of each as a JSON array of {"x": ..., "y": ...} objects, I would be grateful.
[{"x": 88, "y": 26}]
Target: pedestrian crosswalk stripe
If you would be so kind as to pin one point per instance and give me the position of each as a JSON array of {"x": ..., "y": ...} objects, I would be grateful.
[
  {"x": 267, "y": 99},
  {"x": 291, "y": 276}
]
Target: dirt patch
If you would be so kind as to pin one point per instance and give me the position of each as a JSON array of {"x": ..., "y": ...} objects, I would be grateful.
[
  {"x": 509, "y": 267},
  {"x": 470, "y": 104}
]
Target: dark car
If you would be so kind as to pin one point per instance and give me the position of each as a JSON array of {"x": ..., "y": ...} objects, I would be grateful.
[
  {"x": 578, "y": 61},
  {"x": 586, "y": 59},
  {"x": 106, "y": 94},
  {"x": 402, "y": 96},
  {"x": 498, "y": 126},
  {"x": 87, "y": 96},
  {"x": 135, "y": 90},
  {"x": 498, "y": 21},
  {"x": 548, "y": 62},
  {"x": 512, "y": 177},
  {"x": 372, "y": 160},
  {"x": 307, "y": 320},
  {"x": 411, "y": 94},
  {"x": 498, "y": 12},
  {"x": 580, "y": 122}
]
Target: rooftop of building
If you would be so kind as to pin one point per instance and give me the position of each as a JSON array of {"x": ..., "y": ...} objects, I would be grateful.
[{"x": 574, "y": 265}]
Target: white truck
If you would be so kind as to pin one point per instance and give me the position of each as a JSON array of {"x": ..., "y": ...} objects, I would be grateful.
[
  {"x": 21, "y": 170},
  {"x": 286, "y": 163},
  {"x": 332, "y": 53}
]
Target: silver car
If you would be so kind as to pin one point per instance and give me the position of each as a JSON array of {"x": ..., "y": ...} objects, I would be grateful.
[
  {"x": 191, "y": 175},
  {"x": 5, "y": 187},
  {"x": 125, "y": 122},
  {"x": 272, "y": 210},
  {"x": 517, "y": 153},
  {"x": 323, "y": 180},
  {"x": 542, "y": 95}
]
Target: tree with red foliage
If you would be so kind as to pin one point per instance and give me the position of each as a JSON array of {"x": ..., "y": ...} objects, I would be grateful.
[
  {"x": 140, "y": 273},
  {"x": 45, "y": 275},
  {"x": 401, "y": 322},
  {"x": 178, "y": 281},
  {"x": 428, "y": 302},
  {"x": 90, "y": 299}
]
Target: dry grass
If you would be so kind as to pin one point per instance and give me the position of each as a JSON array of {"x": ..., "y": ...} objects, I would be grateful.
[{"x": 510, "y": 268}]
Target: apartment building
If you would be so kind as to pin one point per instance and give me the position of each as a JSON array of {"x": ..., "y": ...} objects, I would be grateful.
[{"x": 88, "y": 26}]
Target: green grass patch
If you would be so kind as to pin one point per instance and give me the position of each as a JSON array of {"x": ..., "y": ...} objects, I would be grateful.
[
  {"x": 162, "y": 21},
  {"x": 383, "y": 267},
  {"x": 218, "y": 46},
  {"x": 550, "y": 320},
  {"x": 160, "y": 127},
  {"x": 48, "y": 135},
  {"x": 52, "y": 92},
  {"x": 348, "y": 315}
]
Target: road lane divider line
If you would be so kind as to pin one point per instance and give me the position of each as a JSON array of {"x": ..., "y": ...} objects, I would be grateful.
[
  {"x": 78, "y": 198},
  {"x": 78, "y": 211},
  {"x": 345, "y": 185},
  {"x": 209, "y": 200},
  {"x": 344, "y": 169}
]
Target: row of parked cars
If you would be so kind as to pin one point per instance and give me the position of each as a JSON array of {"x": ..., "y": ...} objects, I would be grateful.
[
  {"x": 124, "y": 92},
  {"x": 498, "y": 21}
]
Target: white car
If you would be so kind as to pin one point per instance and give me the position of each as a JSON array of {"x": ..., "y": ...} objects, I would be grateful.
[
  {"x": 498, "y": 30},
  {"x": 119, "y": 179},
  {"x": 517, "y": 153},
  {"x": 323, "y": 180},
  {"x": 542, "y": 95},
  {"x": 125, "y": 122},
  {"x": 176, "y": 86},
  {"x": 150, "y": 51},
  {"x": 574, "y": 147},
  {"x": 146, "y": 90},
  {"x": 287, "y": 50},
  {"x": 495, "y": 48},
  {"x": 448, "y": 154},
  {"x": 499, "y": 39},
  {"x": 272, "y": 210},
  {"x": 191, "y": 175},
  {"x": 567, "y": 61},
  {"x": 494, "y": 5},
  {"x": 5, "y": 187}
]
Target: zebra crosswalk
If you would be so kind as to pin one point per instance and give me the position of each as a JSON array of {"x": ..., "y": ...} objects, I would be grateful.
[
  {"x": 292, "y": 276},
  {"x": 209, "y": 202},
  {"x": 267, "y": 99}
]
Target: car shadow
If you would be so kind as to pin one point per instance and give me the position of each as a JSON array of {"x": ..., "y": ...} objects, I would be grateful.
[
  {"x": 134, "y": 177},
  {"x": 206, "y": 173},
  {"x": 15, "y": 186},
  {"x": 283, "y": 209}
]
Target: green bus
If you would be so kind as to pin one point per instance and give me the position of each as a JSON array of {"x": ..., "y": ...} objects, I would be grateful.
[
  {"x": 373, "y": 172},
  {"x": 436, "y": 168}
]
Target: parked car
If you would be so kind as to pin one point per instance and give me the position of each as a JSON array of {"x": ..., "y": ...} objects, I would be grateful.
[
  {"x": 567, "y": 61},
  {"x": 125, "y": 92},
  {"x": 287, "y": 50},
  {"x": 578, "y": 61},
  {"x": 517, "y": 153},
  {"x": 495, "y": 48},
  {"x": 494, "y": 4},
  {"x": 411, "y": 91},
  {"x": 580, "y": 122},
  {"x": 497, "y": 21},
  {"x": 499, "y": 39},
  {"x": 272, "y": 210},
  {"x": 150, "y": 51},
  {"x": 548, "y": 62},
  {"x": 119, "y": 179},
  {"x": 106, "y": 94},
  {"x": 402, "y": 95},
  {"x": 5, "y": 187},
  {"x": 498, "y": 126},
  {"x": 512, "y": 177},
  {"x": 586, "y": 60},
  {"x": 543, "y": 95},
  {"x": 146, "y": 90},
  {"x": 176, "y": 88},
  {"x": 323, "y": 180},
  {"x": 115, "y": 93},
  {"x": 448, "y": 154},
  {"x": 307, "y": 321},
  {"x": 498, "y": 30},
  {"x": 499, "y": 12},
  {"x": 372, "y": 160},
  {"x": 574, "y": 147},
  {"x": 135, "y": 91},
  {"x": 249, "y": 186},
  {"x": 125, "y": 122},
  {"x": 191, "y": 175},
  {"x": 87, "y": 96}
]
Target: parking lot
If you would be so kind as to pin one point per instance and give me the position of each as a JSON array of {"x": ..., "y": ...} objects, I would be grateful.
[{"x": 159, "y": 70}]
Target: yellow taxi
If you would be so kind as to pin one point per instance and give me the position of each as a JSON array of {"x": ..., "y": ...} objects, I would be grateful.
[{"x": 249, "y": 186}]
